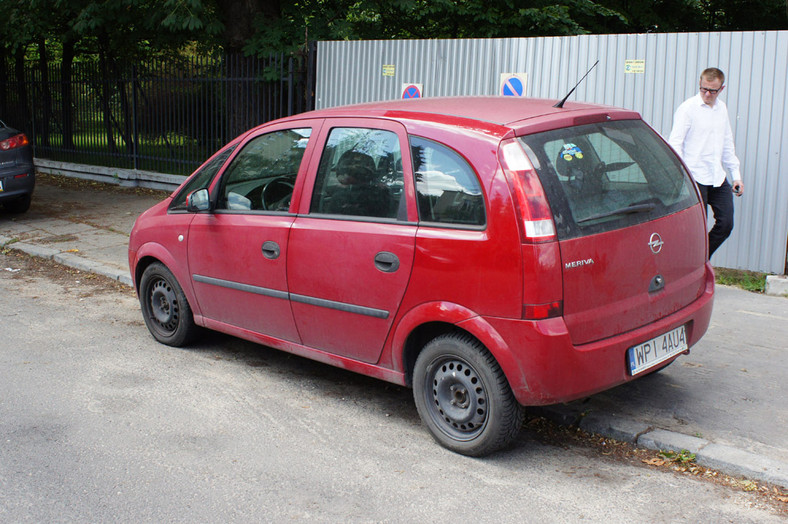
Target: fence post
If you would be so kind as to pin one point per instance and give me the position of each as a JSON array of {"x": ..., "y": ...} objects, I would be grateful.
[
  {"x": 311, "y": 75},
  {"x": 30, "y": 105},
  {"x": 134, "y": 127},
  {"x": 289, "y": 85}
]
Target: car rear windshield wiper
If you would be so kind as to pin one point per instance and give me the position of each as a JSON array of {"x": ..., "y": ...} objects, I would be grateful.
[{"x": 634, "y": 208}]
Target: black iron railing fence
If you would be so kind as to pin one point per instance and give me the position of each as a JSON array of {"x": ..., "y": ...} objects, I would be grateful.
[{"x": 157, "y": 116}]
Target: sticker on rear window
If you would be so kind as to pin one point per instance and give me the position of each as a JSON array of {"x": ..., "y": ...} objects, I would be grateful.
[{"x": 571, "y": 151}]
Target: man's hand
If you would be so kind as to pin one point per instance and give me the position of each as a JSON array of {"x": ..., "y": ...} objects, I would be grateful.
[{"x": 738, "y": 188}]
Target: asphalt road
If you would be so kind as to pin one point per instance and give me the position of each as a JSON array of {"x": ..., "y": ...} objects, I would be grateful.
[{"x": 100, "y": 423}]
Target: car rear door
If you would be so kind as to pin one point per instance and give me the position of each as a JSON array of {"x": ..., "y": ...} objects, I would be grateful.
[
  {"x": 620, "y": 280},
  {"x": 631, "y": 231},
  {"x": 351, "y": 248}
]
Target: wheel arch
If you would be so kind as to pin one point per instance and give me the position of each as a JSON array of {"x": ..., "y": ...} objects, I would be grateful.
[
  {"x": 429, "y": 321},
  {"x": 151, "y": 253}
]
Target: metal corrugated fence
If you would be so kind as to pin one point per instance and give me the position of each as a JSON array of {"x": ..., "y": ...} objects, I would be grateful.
[{"x": 650, "y": 73}]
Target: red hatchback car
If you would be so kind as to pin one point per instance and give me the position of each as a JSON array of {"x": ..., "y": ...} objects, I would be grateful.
[{"x": 490, "y": 253}]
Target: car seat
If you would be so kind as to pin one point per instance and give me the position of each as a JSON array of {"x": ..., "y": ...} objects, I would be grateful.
[{"x": 365, "y": 196}]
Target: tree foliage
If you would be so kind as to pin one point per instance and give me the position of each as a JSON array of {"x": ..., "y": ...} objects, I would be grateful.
[
  {"x": 304, "y": 20},
  {"x": 379, "y": 19},
  {"x": 128, "y": 28}
]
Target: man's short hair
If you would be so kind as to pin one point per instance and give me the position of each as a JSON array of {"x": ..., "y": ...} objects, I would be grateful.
[{"x": 712, "y": 73}]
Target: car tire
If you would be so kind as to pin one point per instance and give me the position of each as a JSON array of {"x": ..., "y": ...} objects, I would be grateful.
[
  {"x": 463, "y": 397},
  {"x": 20, "y": 205},
  {"x": 164, "y": 307}
]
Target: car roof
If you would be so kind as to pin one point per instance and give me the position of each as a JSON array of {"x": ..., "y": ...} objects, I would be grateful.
[{"x": 494, "y": 111}]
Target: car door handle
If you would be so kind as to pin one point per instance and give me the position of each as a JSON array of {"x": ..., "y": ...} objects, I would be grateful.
[
  {"x": 271, "y": 250},
  {"x": 386, "y": 262}
]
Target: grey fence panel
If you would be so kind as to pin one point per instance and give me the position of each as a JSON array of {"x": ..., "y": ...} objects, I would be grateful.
[{"x": 756, "y": 87}]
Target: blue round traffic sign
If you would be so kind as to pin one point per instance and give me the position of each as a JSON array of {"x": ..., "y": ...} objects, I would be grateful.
[
  {"x": 411, "y": 91},
  {"x": 513, "y": 86}
]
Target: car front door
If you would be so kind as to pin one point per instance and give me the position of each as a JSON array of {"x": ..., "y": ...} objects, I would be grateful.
[
  {"x": 351, "y": 248},
  {"x": 238, "y": 253}
]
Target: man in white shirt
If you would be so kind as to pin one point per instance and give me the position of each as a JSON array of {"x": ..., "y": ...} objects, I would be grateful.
[{"x": 702, "y": 137}]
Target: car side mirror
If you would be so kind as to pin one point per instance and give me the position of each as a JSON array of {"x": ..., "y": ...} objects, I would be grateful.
[{"x": 198, "y": 201}]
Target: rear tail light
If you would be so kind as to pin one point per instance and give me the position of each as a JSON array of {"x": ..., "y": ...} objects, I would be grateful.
[
  {"x": 529, "y": 197},
  {"x": 14, "y": 142},
  {"x": 542, "y": 277}
]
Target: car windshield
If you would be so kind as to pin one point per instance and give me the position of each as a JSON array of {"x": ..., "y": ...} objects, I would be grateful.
[{"x": 600, "y": 177}]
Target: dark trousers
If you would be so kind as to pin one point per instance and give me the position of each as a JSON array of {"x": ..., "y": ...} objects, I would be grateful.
[{"x": 721, "y": 201}]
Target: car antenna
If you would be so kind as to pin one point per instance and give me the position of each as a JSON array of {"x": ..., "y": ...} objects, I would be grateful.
[{"x": 561, "y": 103}]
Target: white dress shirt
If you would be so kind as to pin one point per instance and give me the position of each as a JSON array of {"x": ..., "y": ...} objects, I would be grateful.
[{"x": 702, "y": 137}]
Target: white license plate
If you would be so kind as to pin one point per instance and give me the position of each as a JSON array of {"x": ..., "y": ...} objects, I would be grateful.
[{"x": 657, "y": 350}]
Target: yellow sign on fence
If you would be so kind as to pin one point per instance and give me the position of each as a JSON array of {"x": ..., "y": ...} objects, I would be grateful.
[{"x": 635, "y": 66}]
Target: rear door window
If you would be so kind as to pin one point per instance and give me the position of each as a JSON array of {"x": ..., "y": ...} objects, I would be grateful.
[
  {"x": 600, "y": 177},
  {"x": 360, "y": 175}
]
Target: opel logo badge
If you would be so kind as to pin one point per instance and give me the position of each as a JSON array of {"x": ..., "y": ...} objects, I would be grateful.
[{"x": 655, "y": 243}]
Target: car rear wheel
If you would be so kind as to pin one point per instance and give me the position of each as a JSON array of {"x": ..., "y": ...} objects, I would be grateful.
[
  {"x": 463, "y": 396},
  {"x": 20, "y": 205},
  {"x": 164, "y": 307}
]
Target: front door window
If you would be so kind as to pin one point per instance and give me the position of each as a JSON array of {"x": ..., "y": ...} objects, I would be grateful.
[{"x": 262, "y": 176}]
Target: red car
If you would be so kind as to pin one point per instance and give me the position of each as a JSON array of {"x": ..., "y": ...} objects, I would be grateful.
[{"x": 490, "y": 253}]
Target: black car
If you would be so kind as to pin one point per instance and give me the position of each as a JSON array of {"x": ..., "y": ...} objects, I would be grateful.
[{"x": 17, "y": 175}]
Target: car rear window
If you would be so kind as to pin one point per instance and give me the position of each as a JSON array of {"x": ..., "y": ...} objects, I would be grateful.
[{"x": 609, "y": 175}]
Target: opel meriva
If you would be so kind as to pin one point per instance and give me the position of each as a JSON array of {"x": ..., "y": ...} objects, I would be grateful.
[{"x": 490, "y": 253}]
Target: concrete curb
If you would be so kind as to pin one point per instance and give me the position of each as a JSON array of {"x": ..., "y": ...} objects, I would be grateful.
[
  {"x": 727, "y": 459},
  {"x": 777, "y": 285},
  {"x": 67, "y": 259},
  {"x": 111, "y": 175}
]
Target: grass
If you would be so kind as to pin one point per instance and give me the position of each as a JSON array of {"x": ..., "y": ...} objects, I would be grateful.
[
  {"x": 747, "y": 280},
  {"x": 178, "y": 154}
]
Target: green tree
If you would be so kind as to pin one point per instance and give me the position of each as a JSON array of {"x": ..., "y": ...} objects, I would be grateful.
[
  {"x": 378, "y": 19},
  {"x": 667, "y": 16}
]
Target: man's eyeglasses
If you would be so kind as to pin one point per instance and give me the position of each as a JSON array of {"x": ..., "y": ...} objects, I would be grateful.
[{"x": 710, "y": 91}]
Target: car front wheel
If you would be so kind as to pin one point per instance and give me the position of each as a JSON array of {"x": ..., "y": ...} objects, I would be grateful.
[
  {"x": 463, "y": 397},
  {"x": 164, "y": 307}
]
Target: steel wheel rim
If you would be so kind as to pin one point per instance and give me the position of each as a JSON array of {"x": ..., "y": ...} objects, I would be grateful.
[
  {"x": 164, "y": 306},
  {"x": 457, "y": 398}
]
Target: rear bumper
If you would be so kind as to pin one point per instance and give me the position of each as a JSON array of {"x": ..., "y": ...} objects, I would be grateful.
[
  {"x": 17, "y": 181},
  {"x": 549, "y": 369}
]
